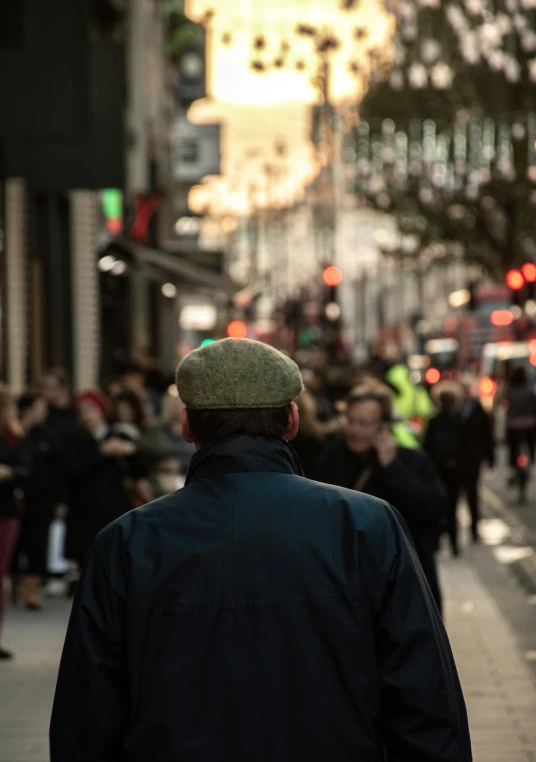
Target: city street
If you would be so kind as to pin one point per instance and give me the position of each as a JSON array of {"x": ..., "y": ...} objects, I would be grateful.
[
  {"x": 492, "y": 628},
  {"x": 272, "y": 251}
]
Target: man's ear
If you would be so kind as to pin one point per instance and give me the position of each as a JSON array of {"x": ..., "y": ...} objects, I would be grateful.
[
  {"x": 293, "y": 422},
  {"x": 185, "y": 426}
]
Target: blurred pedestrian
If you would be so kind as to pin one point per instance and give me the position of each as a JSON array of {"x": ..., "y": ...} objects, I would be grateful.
[
  {"x": 443, "y": 444},
  {"x": 128, "y": 415},
  {"x": 255, "y": 615},
  {"x": 411, "y": 403},
  {"x": 97, "y": 465},
  {"x": 129, "y": 423},
  {"x": 318, "y": 420},
  {"x": 61, "y": 425},
  {"x": 62, "y": 430},
  {"x": 55, "y": 386},
  {"x": 401, "y": 431},
  {"x": 133, "y": 378},
  {"x": 45, "y": 494},
  {"x": 113, "y": 386},
  {"x": 520, "y": 416},
  {"x": 166, "y": 452},
  {"x": 368, "y": 459},
  {"x": 156, "y": 382},
  {"x": 11, "y": 470},
  {"x": 477, "y": 447}
]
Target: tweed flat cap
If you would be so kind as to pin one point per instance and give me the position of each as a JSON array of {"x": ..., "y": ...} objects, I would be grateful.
[{"x": 237, "y": 374}]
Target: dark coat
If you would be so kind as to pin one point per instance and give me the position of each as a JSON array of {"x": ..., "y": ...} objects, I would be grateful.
[
  {"x": 459, "y": 442},
  {"x": 443, "y": 442},
  {"x": 45, "y": 487},
  {"x": 477, "y": 438},
  {"x": 411, "y": 484},
  {"x": 256, "y": 615},
  {"x": 46, "y": 483}
]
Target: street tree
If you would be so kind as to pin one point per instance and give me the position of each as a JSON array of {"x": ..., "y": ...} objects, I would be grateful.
[{"x": 447, "y": 137}]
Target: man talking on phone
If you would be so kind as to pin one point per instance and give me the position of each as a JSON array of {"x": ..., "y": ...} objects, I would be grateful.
[{"x": 368, "y": 459}]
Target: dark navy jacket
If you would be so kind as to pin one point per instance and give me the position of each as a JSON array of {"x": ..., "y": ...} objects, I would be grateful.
[{"x": 256, "y": 616}]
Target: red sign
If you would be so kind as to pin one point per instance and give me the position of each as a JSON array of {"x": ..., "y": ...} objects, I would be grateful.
[{"x": 144, "y": 209}]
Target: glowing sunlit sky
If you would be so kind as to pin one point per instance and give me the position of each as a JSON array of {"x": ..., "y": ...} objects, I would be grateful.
[{"x": 259, "y": 109}]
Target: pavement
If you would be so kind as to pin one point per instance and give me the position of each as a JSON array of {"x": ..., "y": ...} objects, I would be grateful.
[
  {"x": 27, "y": 683},
  {"x": 493, "y": 662},
  {"x": 490, "y": 620},
  {"x": 516, "y": 524}
]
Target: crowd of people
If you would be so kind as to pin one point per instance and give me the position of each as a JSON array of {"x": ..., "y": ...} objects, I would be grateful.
[
  {"x": 78, "y": 463},
  {"x": 398, "y": 444}
]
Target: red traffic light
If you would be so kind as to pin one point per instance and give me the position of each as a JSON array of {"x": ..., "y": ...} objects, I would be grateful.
[
  {"x": 529, "y": 272},
  {"x": 237, "y": 329},
  {"x": 432, "y": 376},
  {"x": 515, "y": 279},
  {"x": 332, "y": 276},
  {"x": 501, "y": 318}
]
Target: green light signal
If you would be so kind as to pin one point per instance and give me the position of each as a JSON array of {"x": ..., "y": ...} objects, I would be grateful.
[
  {"x": 207, "y": 341},
  {"x": 112, "y": 203}
]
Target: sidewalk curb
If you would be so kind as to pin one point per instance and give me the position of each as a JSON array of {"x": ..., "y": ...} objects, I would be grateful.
[{"x": 524, "y": 568}]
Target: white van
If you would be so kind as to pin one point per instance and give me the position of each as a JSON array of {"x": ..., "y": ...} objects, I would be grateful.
[{"x": 498, "y": 360}]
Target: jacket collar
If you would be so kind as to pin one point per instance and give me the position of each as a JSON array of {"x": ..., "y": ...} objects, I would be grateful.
[{"x": 242, "y": 454}]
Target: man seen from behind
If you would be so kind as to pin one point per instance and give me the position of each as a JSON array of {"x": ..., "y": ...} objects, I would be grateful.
[{"x": 255, "y": 616}]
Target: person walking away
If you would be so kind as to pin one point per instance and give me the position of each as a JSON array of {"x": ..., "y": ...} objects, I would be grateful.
[
  {"x": 45, "y": 493},
  {"x": 164, "y": 449},
  {"x": 443, "y": 444},
  {"x": 477, "y": 446},
  {"x": 520, "y": 417},
  {"x": 254, "y": 614},
  {"x": 11, "y": 473},
  {"x": 367, "y": 459},
  {"x": 97, "y": 465}
]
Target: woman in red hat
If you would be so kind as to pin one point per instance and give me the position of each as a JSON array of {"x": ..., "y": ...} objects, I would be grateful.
[{"x": 99, "y": 465}]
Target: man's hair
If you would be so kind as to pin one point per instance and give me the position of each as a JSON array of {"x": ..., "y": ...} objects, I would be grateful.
[
  {"x": 208, "y": 425},
  {"x": 376, "y": 392}
]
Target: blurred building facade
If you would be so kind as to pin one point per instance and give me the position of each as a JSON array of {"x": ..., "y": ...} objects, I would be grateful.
[{"x": 88, "y": 195}]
